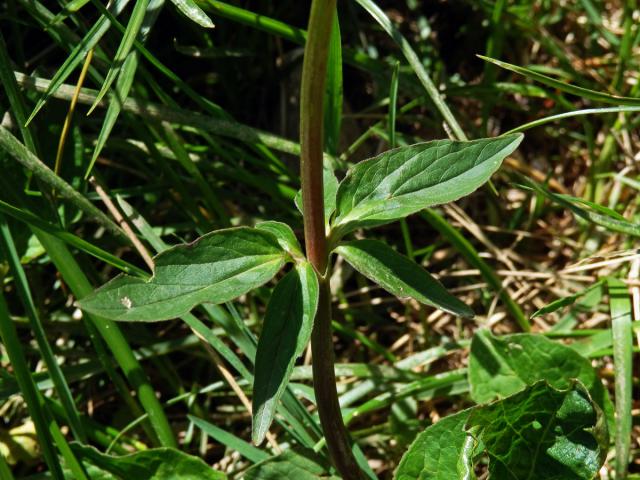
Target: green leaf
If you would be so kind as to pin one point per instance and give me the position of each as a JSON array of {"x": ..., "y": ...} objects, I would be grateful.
[
  {"x": 333, "y": 91},
  {"x": 124, "y": 83},
  {"x": 193, "y": 12},
  {"x": 290, "y": 464},
  {"x": 596, "y": 214},
  {"x": 439, "y": 452},
  {"x": 232, "y": 442},
  {"x": 100, "y": 26},
  {"x": 405, "y": 180},
  {"x": 285, "y": 236},
  {"x": 152, "y": 464},
  {"x": 564, "y": 87},
  {"x": 285, "y": 334},
  {"x": 330, "y": 186},
  {"x": 216, "y": 268},
  {"x": 133, "y": 27},
  {"x": 499, "y": 367},
  {"x": 565, "y": 301},
  {"x": 542, "y": 432},
  {"x": 399, "y": 275},
  {"x": 621, "y": 318}
]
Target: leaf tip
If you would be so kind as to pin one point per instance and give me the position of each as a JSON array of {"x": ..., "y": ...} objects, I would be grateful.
[{"x": 258, "y": 430}]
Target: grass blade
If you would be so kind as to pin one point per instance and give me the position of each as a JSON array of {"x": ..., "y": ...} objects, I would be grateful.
[
  {"x": 245, "y": 449},
  {"x": 11, "y": 88},
  {"x": 192, "y": 11},
  {"x": 416, "y": 64},
  {"x": 124, "y": 83},
  {"x": 621, "y": 316},
  {"x": 575, "y": 113},
  {"x": 19, "y": 152},
  {"x": 133, "y": 27},
  {"x": 82, "y": 48},
  {"x": 333, "y": 92},
  {"x": 393, "y": 104},
  {"x": 565, "y": 87},
  {"x": 20, "y": 279},
  {"x": 599, "y": 217},
  {"x": 35, "y": 403},
  {"x": 69, "y": 238},
  {"x": 225, "y": 128}
]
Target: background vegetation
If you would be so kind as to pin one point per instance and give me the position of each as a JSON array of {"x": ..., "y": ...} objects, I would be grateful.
[{"x": 184, "y": 128}]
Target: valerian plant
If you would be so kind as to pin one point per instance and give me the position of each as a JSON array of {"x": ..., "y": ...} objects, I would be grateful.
[{"x": 225, "y": 264}]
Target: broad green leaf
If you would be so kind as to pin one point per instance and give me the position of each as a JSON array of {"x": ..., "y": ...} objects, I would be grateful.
[
  {"x": 285, "y": 236},
  {"x": 399, "y": 275},
  {"x": 152, "y": 464},
  {"x": 405, "y": 180},
  {"x": 291, "y": 465},
  {"x": 542, "y": 432},
  {"x": 501, "y": 366},
  {"x": 441, "y": 452},
  {"x": 216, "y": 268},
  {"x": 287, "y": 327},
  {"x": 330, "y": 185},
  {"x": 193, "y": 12}
]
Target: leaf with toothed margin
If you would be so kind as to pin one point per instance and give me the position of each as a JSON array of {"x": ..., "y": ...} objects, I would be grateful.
[{"x": 216, "y": 268}]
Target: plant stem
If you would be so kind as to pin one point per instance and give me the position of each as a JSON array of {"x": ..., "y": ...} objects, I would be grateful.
[
  {"x": 311, "y": 123},
  {"x": 311, "y": 137},
  {"x": 324, "y": 386}
]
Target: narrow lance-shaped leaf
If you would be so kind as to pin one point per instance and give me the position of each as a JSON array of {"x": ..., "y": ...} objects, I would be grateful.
[
  {"x": 124, "y": 82},
  {"x": 621, "y": 318},
  {"x": 287, "y": 328},
  {"x": 79, "y": 52},
  {"x": 193, "y": 12},
  {"x": 133, "y": 27},
  {"x": 542, "y": 432},
  {"x": 399, "y": 275},
  {"x": 405, "y": 180},
  {"x": 216, "y": 268}
]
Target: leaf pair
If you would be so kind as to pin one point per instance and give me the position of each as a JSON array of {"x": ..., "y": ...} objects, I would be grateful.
[
  {"x": 219, "y": 267},
  {"x": 401, "y": 182}
]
